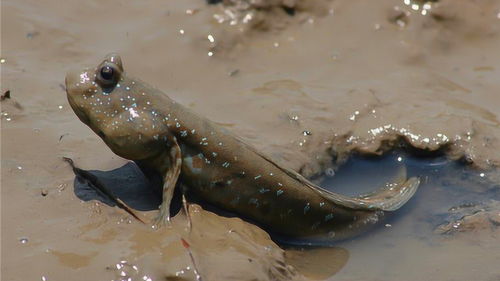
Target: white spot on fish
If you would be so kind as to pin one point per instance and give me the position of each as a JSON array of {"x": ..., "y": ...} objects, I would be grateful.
[
  {"x": 315, "y": 225},
  {"x": 329, "y": 217},
  {"x": 189, "y": 163},
  {"x": 254, "y": 201},
  {"x": 84, "y": 77},
  {"x": 133, "y": 113},
  {"x": 307, "y": 208},
  {"x": 235, "y": 200}
]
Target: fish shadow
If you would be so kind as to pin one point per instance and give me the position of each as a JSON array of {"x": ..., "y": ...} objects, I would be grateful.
[{"x": 128, "y": 183}]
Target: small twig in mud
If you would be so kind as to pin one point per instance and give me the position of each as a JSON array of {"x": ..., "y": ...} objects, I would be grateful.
[
  {"x": 61, "y": 187},
  {"x": 5, "y": 95},
  {"x": 62, "y": 136},
  {"x": 95, "y": 183},
  {"x": 234, "y": 72},
  {"x": 186, "y": 246}
]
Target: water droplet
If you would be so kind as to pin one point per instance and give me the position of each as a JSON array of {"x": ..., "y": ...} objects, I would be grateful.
[{"x": 23, "y": 240}]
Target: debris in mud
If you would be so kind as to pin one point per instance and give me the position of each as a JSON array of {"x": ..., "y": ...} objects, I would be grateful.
[
  {"x": 471, "y": 217},
  {"x": 240, "y": 19},
  {"x": 5, "y": 95},
  {"x": 62, "y": 136},
  {"x": 44, "y": 192},
  {"x": 186, "y": 246},
  {"x": 234, "y": 72},
  {"x": 31, "y": 35},
  {"x": 399, "y": 17}
]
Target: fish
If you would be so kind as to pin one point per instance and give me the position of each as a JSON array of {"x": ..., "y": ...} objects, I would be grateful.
[{"x": 141, "y": 123}]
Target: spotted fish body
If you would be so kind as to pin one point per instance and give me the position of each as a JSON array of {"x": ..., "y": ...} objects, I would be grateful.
[{"x": 140, "y": 123}]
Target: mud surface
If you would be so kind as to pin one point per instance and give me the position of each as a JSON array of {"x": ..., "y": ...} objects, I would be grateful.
[{"x": 305, "y": 83}]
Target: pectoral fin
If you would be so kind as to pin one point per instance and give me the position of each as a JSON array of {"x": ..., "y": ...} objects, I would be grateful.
[{"x": 172, "y": 169}]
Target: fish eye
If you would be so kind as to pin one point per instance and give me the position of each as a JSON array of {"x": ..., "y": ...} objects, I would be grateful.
[{"x": 108, "y": 75}]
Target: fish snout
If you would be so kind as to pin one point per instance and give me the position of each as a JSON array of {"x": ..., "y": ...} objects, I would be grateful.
[{"x": 79, "y": 82}]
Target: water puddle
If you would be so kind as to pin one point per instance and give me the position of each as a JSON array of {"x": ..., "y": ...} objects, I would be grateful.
[
  {"x": 449, "y": 190},
  {"x": 448, "y": 231}
]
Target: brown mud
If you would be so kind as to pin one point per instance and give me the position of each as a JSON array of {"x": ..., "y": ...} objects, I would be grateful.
[{"x": 305, "y": 83}]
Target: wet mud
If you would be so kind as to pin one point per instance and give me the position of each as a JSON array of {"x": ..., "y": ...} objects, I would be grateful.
[{"x": 319, "y": 87}]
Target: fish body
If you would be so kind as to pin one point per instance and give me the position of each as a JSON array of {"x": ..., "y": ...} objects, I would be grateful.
[{"x": 141, "y": 123}]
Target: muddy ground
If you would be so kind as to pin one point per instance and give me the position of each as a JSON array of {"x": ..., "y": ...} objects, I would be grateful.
[{"x": 306, "y": 82}]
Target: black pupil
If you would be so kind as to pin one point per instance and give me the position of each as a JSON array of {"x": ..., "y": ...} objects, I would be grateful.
[{"x": 107, "y": 73}]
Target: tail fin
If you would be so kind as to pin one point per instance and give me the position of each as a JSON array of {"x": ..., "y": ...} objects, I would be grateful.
[
  {"x": 388, "y": 198},
  {"x": 392, "y": 196}
]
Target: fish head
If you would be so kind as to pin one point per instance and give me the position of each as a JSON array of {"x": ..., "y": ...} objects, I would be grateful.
[{"x": 118, "y": 108}]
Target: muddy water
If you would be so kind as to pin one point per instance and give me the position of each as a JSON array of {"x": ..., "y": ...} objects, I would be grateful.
[{"x": 359, "y": 76}]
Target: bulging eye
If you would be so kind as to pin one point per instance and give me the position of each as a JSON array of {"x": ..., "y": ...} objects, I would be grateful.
[
  {"x": 107, "y": 72},
  {"x": 108, "y": 75}
]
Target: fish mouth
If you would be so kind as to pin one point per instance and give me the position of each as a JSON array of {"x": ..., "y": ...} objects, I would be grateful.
[{"x": 77, "y": 84}]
